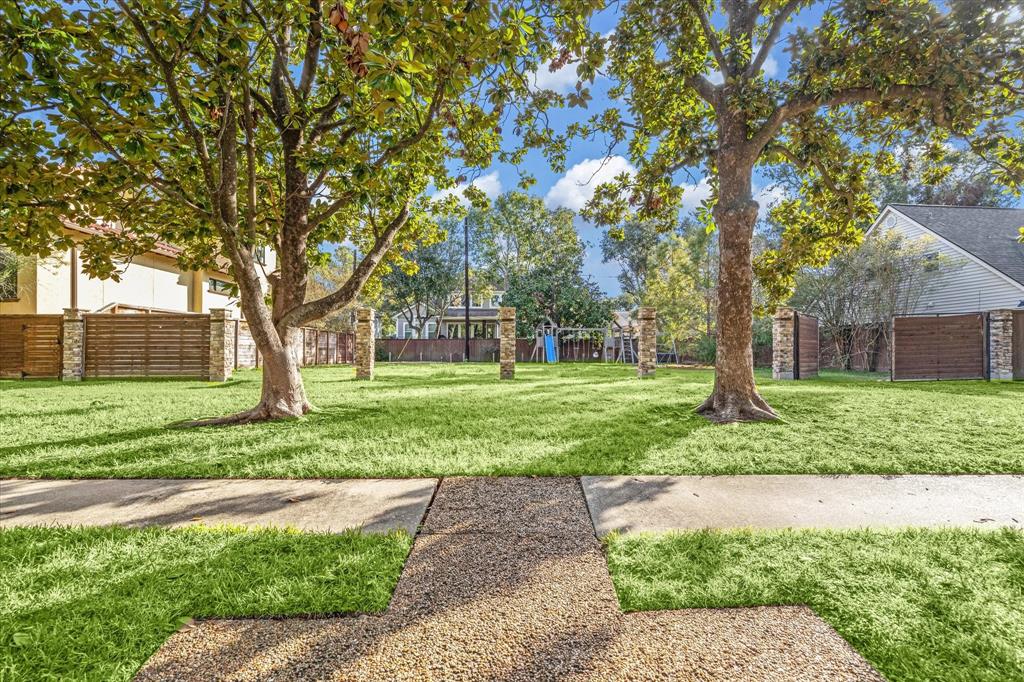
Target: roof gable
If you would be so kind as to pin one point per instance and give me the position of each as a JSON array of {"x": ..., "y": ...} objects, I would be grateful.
[{"x": 988, "y": 234}]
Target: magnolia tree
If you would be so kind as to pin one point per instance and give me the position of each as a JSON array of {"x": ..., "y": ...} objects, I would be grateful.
[
  {"x": 225, "y": 125},
  {"x": 695, "y": 94}
]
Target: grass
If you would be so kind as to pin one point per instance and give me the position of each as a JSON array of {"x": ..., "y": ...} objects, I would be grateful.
[
  {"x": 94, "y": 604},
  {"x": 918, "y": 604},
  {"x": 431, "y": 420}
]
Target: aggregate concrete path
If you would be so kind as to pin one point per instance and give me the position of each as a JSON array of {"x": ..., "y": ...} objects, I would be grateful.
[
  {"x": 375, "y": 505},
  {"x": 662, "y": 503},
  {"x": 507, "y": 581}
]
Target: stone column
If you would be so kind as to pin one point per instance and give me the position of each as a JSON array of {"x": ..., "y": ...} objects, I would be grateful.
[
  {"x": 507, "y": 343},
  {"x": 647, "y": 343},
  {"x": 222, "y": 346},
  {"x": 1000, "y": 344},
  {"x": 73, "y": 346},
  {"x": 364, "y": 344},
  {"x": 783, "y": 336}
]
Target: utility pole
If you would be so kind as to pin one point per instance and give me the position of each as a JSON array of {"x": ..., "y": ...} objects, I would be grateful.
[{"x": 465, "y": 296}]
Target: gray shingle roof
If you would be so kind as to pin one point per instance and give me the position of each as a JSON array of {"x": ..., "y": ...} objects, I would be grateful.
[{"x": 988, "y": 234}]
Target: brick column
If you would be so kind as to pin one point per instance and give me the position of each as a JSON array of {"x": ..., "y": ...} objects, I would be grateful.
[
  {"x": 1000, "y": 344},
  {"x": 783, "y": 336},
  {"x": 507, "y": 343},
  {"x": 647, "y": 343},
  {"x": 222, "y": 345},
  {"x": 364, "y": 344},
  {"x": 73, "y": 346}
]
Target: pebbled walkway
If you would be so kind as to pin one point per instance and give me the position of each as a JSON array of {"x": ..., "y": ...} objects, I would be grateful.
[{"x": 506, "y": 581}]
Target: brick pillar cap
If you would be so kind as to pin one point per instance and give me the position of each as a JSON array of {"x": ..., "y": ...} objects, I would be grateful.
[
  {"x": 365, "y": 314},
  {"x": 507, "y": 313},
  {"x": 647, "y": 313},
  {"x": 73, "y": 312},
  {"x": 784, "y": 311}
]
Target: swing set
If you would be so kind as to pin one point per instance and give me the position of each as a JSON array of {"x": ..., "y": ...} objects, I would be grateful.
[{"x": 613, "y": 343}]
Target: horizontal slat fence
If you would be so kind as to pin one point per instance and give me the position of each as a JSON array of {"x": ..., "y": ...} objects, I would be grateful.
[
  {"x": 806, "y": 346},
  {"x": 30, "y": 346},
  {"x": 153, "y": 345},
  {"x": 939, "y": 347}
]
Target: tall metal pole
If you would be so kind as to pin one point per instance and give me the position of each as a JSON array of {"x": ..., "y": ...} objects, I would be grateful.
[{"x": 465, "y": 297}]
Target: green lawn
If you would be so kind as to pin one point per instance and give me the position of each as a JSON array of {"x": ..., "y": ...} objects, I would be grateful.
[
  {"x": 919, "y": 604},
  {"x": 430, "y": 420},
  {"x": 96, "y": 603}
]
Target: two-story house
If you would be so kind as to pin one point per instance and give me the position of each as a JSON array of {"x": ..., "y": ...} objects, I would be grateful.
[
  {"x": 150, "y": 282},
  {"x": 483, "y": 320}
]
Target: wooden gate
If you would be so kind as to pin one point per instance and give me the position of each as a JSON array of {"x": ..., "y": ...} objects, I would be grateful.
[
  {"x": 805, "y": 347},
  {"x": 152, "y": 345},
  {"x": 939, "y": 347},
  {"x": 30, "y": 346}
]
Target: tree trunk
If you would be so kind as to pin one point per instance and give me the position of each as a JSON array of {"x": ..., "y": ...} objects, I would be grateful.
[{"x": 735, "y": 397}]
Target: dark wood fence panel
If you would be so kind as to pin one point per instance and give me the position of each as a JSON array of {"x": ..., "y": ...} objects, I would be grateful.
[
  {"x": 152, "y": 345},
  {"x": 1018, "y": 345},
  {"x": 30, "y": 346},
  {"x": 939, "y": 347},
  {"x": 806, "y": 342},
  {"x": 437, "y": 350}
]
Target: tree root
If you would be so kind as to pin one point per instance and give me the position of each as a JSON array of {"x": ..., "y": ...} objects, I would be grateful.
[
  {"x": 730, "y": 409},
  {"x": 260, "y": 413}
]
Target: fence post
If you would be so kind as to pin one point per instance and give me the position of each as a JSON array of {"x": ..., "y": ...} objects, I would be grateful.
[
  {"x": 648, "y": 343},
  {"x": 507, "y": 342},
  {"x": 73, "y": 346},
  {"x": 364, "y": 344},
  {"x": 1000, "y": 344},
  {"x": 783, "y": 344},
  {"x": 221, "y": 347}
]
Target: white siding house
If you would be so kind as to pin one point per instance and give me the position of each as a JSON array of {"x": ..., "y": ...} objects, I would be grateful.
[{"x": 982, "y": 242}]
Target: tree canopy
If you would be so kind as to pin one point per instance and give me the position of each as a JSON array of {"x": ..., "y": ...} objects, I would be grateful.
[
  {"x": 692, "y": 94},
  {"x": 222, "y": 125}
]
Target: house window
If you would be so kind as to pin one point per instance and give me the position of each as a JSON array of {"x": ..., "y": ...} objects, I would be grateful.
[
  {"x": 261, "y": 255},
  {"x": 496, "y": 301},
  {"x": 219, "y": 286},
  {"x": 8, "y": 276},
  {"x": 431, "y": 330}
]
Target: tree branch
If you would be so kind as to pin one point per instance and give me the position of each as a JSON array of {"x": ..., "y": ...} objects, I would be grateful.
[
  {"x": 773, "y": 36},
  {"x": 712, "y": 37},
  {"x": 314, "y": 37},
  {"x": 312, "y": 310},
  {"x": 388, "y": 154},
  {"x": 826, "y": 177},
  {"x": 804, "y": 103}
]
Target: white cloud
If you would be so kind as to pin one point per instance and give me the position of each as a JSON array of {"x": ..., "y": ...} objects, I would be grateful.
[
  {"x": 576, "y": 187},
  {"x": 693, "y": 195},
  {"x": 489, "y": 184},
  {"x": 771, "y": 67},
  {"x": 768, "y": 196},
  {"x": 561, "y": 81}
]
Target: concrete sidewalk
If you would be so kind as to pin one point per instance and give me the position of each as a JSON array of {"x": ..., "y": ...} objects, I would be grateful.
[
  {"x": 663, "y": 503},
  {"x": 375, "y": 505}
]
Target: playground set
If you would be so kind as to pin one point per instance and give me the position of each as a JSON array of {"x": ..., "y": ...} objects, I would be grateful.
[{"x": 613, "y": 343}]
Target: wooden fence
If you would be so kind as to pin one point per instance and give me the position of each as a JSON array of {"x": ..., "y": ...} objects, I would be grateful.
[
  {"x": 150, "y": 345},
  {"x": 939, "y": 347},
  {"x": 316, "y": 347},
  {"x": 805, "y": 347},
  {"x": 30, "y": 346}
]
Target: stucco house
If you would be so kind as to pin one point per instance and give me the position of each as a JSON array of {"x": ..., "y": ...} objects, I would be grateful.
[
  {"x": 152, "y": 281},
  {"x": 483, "y": 320},
  {"x": 982, "y": 241}
]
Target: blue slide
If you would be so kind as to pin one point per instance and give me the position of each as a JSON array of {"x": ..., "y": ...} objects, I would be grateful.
[{"x": 549, "y": 348}]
